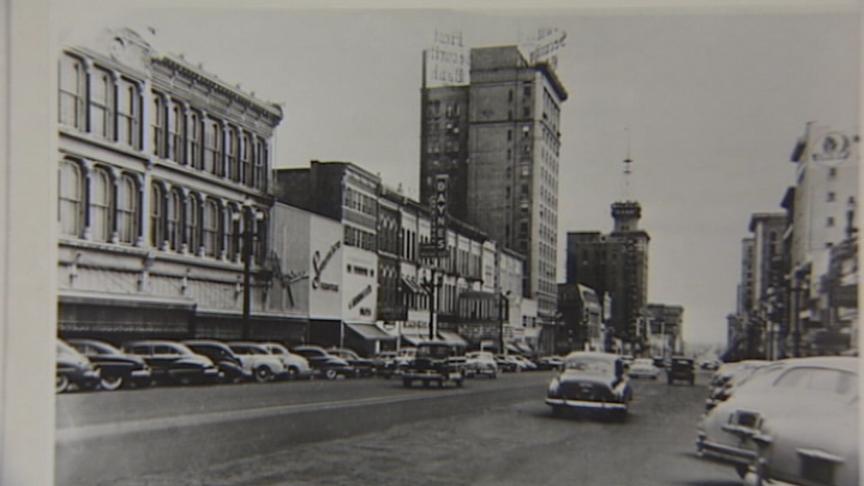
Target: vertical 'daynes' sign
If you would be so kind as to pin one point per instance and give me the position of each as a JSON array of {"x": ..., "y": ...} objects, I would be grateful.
[
  {"x": 439, "y": 213},
  {"x": 447, "y": 62}
]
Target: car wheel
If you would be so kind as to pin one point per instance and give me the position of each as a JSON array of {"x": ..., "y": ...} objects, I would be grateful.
[
  {"x": 292, "y": 372},
  {"x": 263, "y": 374},
  {"x": 111, "y": 383},
  {"x": 331, "y": 374},
  {"x": 61, "y": 383}
]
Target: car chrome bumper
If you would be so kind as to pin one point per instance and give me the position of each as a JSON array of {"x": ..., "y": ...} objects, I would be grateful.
[
  {"x": 140, "y": 374},
  {"x": 561, "y": 402},
  {"x": 724, "y": 453}
]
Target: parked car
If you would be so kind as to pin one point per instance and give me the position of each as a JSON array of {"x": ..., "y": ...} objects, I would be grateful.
[
  {"x": 681, "y": 369},
  {"x": 803, "y": 425},
  {"x": 385, "y": 364},
  {"x": 717, "y": 439},
  {"x": 174, "y": 362},
  {"x": 296, "y": 366},
  {"x": 710, "y": 364},
  {"x": 73, "y": 369},
  {"x": 436, "y": 362},
  {"x": 481, "y": 363},
  {"x": 644, "y": 368},
  {"x": 405, "y": 356},
  {"x": 728, "y": 377},
  {"x": 506, "y": 363},
  {"x": 591, "y": 381},
  {"x": 324, "y": 363},
  {"x": 659, "y": 361},
  {"x": 258, "y": 361},
  {"x": 524, "y": 363},
  {"x": 550, "y": 362},
  {"x": 362, "y": 367},
  {"x": 223, "y": 356},
  {"x": 116, "y": 368}
]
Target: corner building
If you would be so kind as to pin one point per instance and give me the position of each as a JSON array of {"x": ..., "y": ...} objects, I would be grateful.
[
  {"x": 498, "y": 138},
  {"x": 162, "y": 170}
]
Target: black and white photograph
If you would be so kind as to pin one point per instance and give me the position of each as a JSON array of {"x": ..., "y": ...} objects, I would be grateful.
[{"x": 281, "y": 243}]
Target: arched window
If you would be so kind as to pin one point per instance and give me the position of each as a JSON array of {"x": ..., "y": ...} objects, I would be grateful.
[
  {"x": 195, "y": 140},
  {"x": 233, "y": 155},
  {"x": 246, "y": 160},
  {"x": 127, "y": 209},
  {"x": 193, "y": 224},
  {"x": 212, "y": 147},
  {"x": 100, "y": 205},
  {"x": 175, "y": 220},
  {"x": 211, "y": 229},
  {"x": 102, "y": 104},
  {"x": 73, "y": 92},
  {"x": 128, "y": 113},
  {"x": 158, "y": 115},
  {"x": 157, "y": 216},
  {"x": 178, "y": 132},
  {"x": 70, "y": 193}
]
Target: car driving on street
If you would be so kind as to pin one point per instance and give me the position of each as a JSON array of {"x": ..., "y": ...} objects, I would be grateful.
[
  {"x": 644, "y": 368},
  {"x": 590, "y": 381},
  {"x": 438, "y": 363},
  {"x": 481, "y": 363},
  {"x": 681, "y": 369}
]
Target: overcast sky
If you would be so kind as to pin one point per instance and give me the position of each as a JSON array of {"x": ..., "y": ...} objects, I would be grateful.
[{"x": 713, "y": 102}]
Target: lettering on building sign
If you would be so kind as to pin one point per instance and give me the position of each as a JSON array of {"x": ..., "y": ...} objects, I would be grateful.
[
  {"x": 319, "y": 264},
  {"x": 439, "y": 212},
  {"x": 359, "y": 297},
  {"x": 544, "y": 44},
  {"x": 447, "y": 62}
]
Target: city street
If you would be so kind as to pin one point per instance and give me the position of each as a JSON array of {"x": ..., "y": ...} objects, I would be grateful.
[{"x": 373, "y": 431}]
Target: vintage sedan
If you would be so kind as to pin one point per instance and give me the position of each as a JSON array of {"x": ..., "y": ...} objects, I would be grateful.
[
  {"x": 590, "y": 381},
  {"x": 174, "y": 362},
  {"x": 258, "y": 361},
  {"x": 719, "y": 436},
  {"x": 362, "y": 367},
  {"x": 481, "y": 363},
  {"x": 116, "y": 368},
  {"x": 733, "y": 375},
  {"x": 325, "y": 364},
  {"x": 73, "y": 369},
  {"x": 225, "y": 359},
  {"x": 436, "y": 362},
  {"x": 804, "y": 426},
  {"x": 296, "y": 366},
  {"x": 644, "y": 368}
]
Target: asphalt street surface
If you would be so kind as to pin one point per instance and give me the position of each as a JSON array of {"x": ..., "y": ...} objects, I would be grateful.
[{"x": 373, "y": 431}]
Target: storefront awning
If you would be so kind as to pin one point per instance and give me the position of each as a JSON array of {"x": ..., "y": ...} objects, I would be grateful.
[
  {"x": 369, "y": 332},
  {"x": 412, "y": 286},
  {"x": 414, "y": 339},
  {"x": 452, "y": 338}
]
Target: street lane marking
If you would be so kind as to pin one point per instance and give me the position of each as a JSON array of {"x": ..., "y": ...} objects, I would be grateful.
[{"x": 79, "y": 433}]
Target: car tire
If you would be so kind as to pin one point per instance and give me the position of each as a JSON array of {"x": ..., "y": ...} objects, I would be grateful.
[
  {"x": 61, "y": 383},
  {"x": 292, "y": 373},
  {"x": 111, "y": 383},
  {"x": 331, "y": 374},
  {"x": 263, "y": 374}
]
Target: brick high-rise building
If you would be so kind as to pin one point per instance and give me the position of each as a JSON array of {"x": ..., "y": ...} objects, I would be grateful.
[
  {"x": 614, "y": 264},
  {"x": 498, "y": 138}
]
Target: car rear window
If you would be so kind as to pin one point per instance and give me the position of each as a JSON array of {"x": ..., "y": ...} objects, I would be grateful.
[{"x": 819, "y": 380}]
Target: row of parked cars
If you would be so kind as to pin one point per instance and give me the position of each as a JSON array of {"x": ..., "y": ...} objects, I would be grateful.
[
  {"x": 792, "y": 421},
  {"x": 90, "y": 363}
]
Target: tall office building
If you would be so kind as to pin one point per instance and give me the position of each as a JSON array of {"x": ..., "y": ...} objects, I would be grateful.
[
  {"x": 615, "y": 264},
  {"x": 498, "y": 138}
]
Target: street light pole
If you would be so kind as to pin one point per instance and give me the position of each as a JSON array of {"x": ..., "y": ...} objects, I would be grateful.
[{"x": 250, "y": 217}]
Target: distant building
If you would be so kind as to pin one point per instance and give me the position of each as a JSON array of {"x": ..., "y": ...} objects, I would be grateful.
[
  {"x": 582, "y": 314},
  {"x": 614, "y": 264},
  {"x": 498, "y": 138},
  {"x": 664, "y": 328}
]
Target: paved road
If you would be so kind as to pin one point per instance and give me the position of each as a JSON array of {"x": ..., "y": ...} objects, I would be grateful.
[{"x": 375, "y": 432}]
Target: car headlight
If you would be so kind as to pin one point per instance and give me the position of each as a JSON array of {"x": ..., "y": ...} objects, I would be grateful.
[{"x": 553, "y": 387}]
